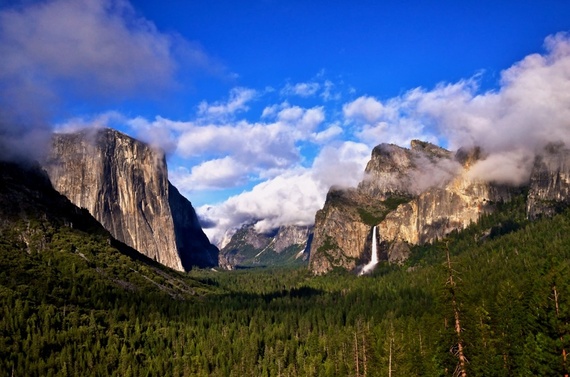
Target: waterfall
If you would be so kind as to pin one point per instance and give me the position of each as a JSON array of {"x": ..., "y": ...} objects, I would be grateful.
[{"x": 374, "y": 255}]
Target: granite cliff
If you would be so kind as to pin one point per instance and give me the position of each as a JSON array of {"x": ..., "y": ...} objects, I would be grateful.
[
  {"x": 417, "y": 195},
  {"x": 124, "y": 184},
  {"x": 394, "y": 176},
  {"x": 549, "y": 189}
]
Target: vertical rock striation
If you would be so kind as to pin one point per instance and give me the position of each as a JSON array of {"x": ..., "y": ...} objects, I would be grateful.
[
  {"x": 124, "y": 184},
  {"x": 549, "y": 189}
]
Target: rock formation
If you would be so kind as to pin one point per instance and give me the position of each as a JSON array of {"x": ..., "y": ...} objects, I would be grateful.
[
  {"x": 437, "y": 212},
  {"x": 284, "y": 246},
  {"x": 413, "y": 195},
  {"x": 549, "y": 189},
  {"x": 124, "y": 184},
  {"x": 393, "y": 176}
]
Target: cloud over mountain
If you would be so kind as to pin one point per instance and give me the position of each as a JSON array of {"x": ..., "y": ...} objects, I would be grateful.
[
  {"x": 530, "y": 108},
  {"x": 278, "y": 146},
  {"x": 292, "y": 197},
  {"x": 95, "y": 50}
]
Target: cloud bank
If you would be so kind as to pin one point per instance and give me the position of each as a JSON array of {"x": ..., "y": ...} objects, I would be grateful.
[
  {"x": 291, "y": 198},
  {"x": 94, "y": 50},
  {"x": 284, "y": 158},
  {"x": 529, "y": 108}
]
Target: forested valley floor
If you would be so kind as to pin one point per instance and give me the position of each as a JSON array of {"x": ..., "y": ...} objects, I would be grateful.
[{"x": 71, "y": 304}]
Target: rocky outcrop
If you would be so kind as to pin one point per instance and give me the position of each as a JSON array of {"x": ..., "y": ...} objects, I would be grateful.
[
  {"x": 286, "y": 245},
  {"x": 393, "y": 170},
  {"x": 394, "y": 176},
  {"x": 124, "y": 184},
  {"x": 290, "y": 235},
  {"x": 193, "y": 245},
  {"x": 437, "y": 212},
  {"x": 342, "y": 230},
  {"x": 549, "y": 189},
  {"x": 413, "y": 195}
]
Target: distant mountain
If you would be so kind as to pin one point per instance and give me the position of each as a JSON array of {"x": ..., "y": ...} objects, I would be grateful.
[
  {"x": 124, "y": 184},
  {"x": 418, "y": 195},
  {"x": 285, "y": 246}
]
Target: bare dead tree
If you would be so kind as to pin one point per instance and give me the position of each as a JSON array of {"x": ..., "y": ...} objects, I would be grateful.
[
  {"x": 356, "y": 358},
  {"x": 462, "y": 366},
  {"x": 564, "y": 355}
]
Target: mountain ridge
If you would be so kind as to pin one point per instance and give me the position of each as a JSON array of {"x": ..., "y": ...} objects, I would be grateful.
[{"x": 286, "y": 245}]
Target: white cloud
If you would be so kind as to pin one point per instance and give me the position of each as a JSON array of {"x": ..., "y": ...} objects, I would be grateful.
[
  {"x": 367, "y": 108},
  {"x": 304, "y": 89},
  {"x": 60, "y": 51},
  {"x": 328, "y": 134},
  {"x": 239, "y": 97},
  {"x": 301, "y": 120},
  {"x": 293, "y": 197},
  {"x": 341, "y": 164},
  {"x": 391, "y": 122},
  {"x": 509, "y": 167},
  {"x": 106, "y": 119},
  {"x": 210, "y": 175},
  {"x": 258, "y": 145},
  {"x": 327, "y": 94}
]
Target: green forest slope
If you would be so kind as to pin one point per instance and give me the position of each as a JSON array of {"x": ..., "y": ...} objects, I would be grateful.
[{"x": 73, "y": 303}]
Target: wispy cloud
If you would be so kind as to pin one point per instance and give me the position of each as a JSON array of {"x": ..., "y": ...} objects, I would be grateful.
[
  {"x": 215, "y": 174},
  {"x": 394, "y": 121},
  {"x": 303, "y": 89},
  {"x": 239, "y": 97}
]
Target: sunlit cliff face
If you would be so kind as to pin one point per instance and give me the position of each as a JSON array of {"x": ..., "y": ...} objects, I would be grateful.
[
  {"x": 342, "y": 232},
  {"x": 124, "y": 184}
]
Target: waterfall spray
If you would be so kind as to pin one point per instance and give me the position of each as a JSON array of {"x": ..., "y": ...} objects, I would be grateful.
[{"x": 374, "y": 255}]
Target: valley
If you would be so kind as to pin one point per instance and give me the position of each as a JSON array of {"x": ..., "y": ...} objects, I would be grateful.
[
  {"x": 284, "y": 189},
  {"x": 75, "y": 304}
]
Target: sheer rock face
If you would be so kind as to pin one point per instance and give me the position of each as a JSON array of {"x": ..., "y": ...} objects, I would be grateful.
[
  {"x": 193, "y": 245},
  {"x": 249, "y": 247},
  {"x": 549, "y": 189},
  {"x": 413, "y": 195},
  {"x": 124, "y": 184},
  {"x": 291, "y": 235},
  {"x": 341, "y": 235},
  {"x": 437, "y": 212}
]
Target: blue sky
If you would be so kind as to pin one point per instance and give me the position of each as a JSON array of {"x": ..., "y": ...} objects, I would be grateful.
[{"x": 262, "y": 105}]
